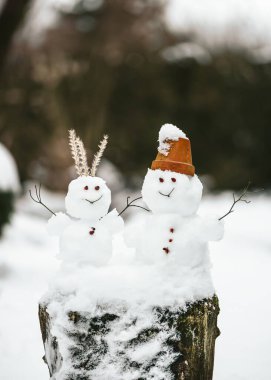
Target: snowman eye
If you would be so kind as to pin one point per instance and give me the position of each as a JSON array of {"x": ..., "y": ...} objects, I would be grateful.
[
  {"x": 173, "y": 179},
  {"x": 86, "y": 188},
  {"x": 161, "y": 179},
  {"x": 97, "y": 187}
]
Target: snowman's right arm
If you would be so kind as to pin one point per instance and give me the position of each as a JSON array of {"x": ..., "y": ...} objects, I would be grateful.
[{"x": 57, "y": 223}]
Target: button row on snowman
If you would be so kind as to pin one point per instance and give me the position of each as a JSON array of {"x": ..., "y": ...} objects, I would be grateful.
[{"x": 166, "y": 249}]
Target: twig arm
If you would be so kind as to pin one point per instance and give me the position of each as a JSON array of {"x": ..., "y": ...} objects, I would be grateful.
[
  {"x": 38, "y": 198},
  {"x": 236, "y": 200},
  {"x": 130, "y": 204}
]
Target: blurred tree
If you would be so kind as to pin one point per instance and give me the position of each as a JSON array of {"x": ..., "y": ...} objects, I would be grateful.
[
  {"x": 11, "y": 16},
  {"x": 112, "y": 66}
]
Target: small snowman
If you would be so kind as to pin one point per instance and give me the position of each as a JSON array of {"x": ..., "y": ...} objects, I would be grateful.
[
  {"x": 173, "y": 232},
  {"x": 86, "y": 235}
]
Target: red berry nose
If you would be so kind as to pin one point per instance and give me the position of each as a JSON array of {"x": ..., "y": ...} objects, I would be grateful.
[
  {"x": 171, "y": 230},
  {"x": 166, "y": 250},
  {"x": 173, "y": 179},
  {"x": 91, "y": 232},
  {"x": 161, "y": 179},
  {"x": 86, "y": 188},
  {"x": 170, "y": 240},
  {"x": 97, "y": 187}
]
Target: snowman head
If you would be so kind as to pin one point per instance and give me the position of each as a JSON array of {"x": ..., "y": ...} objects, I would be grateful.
[
  {"x": 88, "y": 198},
  {"x": 165, "y": 191},
  {"x": 171, "y": 185}
]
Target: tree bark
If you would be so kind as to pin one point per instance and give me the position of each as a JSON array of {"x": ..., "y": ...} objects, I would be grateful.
[
  {"x": 196, "y": 326},
  {"x": 10, "y": 19}
]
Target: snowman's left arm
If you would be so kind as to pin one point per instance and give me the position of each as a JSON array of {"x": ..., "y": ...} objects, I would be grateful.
[
  {"x": 113, "y": 222},
  {"x": 212, "y": 228}
]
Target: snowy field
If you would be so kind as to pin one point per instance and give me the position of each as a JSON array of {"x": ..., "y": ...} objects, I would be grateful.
[{"x": 241, "y": 272}]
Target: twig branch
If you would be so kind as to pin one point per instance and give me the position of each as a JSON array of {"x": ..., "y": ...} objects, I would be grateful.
[
  {"x": 236, "y": 200},
  {"x": 38, "y": 198},
  {"x": 130, "y": 204}
]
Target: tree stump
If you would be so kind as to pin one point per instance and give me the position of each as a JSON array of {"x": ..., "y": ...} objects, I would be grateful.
[{"x": 193, "y": 331}]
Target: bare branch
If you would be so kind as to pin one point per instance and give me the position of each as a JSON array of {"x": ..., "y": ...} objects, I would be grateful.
[
  {"x": 236, "y": 200},
  {"x": 38, "y": 198},
  {"x": 130, "y": 204}
]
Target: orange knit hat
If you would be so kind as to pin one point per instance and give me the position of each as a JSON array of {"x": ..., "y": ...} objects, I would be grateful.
[{"x": 174, "y": 151}]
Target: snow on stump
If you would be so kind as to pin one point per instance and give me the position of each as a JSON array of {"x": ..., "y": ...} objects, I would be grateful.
[{"x": 121, "y": 344}]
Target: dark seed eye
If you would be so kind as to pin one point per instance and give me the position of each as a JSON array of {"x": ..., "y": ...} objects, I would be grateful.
[
  {"x": 97, "y": 187},
  {"x": 86, "y": 188},
  {"x": 173, "y": 179},
  {"x": 161, "y": 179}
]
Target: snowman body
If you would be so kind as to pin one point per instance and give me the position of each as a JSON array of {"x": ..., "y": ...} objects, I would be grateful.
[
  {"x": 173, "y": 233},
  {"x": 173, "y": 239},
  {"x": 86, "y": 238}
]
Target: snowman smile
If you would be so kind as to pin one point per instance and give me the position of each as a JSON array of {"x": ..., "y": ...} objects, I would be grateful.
[
  {"x": 167, "y": 195},
  {"x": 96, "y": 200}
]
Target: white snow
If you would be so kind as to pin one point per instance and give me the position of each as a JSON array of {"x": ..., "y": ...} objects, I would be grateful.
[
  {"x": 241, "y": 271},
  {"x": 83, "y": 288},
  {"x": 9, "y": 179},
  {"x": 27, "y": 261},
  {"x": 168, "y": 132}
]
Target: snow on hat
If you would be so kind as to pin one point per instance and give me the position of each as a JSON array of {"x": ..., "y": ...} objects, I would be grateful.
[{"x": 174, "y": 151}]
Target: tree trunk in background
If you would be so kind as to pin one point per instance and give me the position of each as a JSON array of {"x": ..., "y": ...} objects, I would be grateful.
[
  {"x": 197, "y": 326},
  {"x": 10, "y": 19}
]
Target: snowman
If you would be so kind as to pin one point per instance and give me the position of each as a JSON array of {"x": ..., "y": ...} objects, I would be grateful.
[
  {"x": 85, "y": 235},
  {"x": 173, "y": 233}
]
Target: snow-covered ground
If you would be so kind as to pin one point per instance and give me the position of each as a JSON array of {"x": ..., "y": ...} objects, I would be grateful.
[{"x": 241, "y": 271}]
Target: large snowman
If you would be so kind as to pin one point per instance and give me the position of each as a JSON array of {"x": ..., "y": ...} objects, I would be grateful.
[
  {"x": 173, "y": 233},
  {"x": 86, "y": 235}
]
